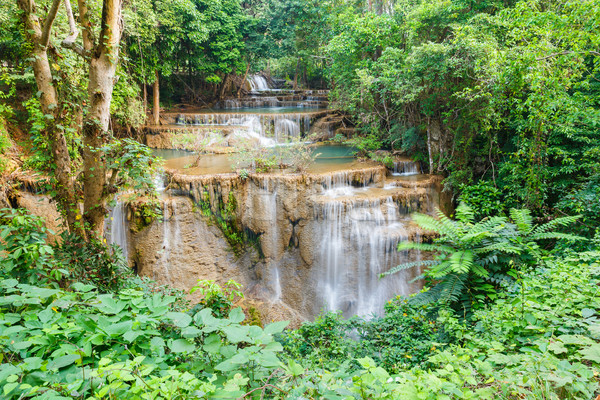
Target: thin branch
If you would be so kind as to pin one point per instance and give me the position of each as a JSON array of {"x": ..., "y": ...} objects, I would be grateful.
[
  {"x": 45, "y": 41},
  {"x": 69, "y": 41},
  {"x": 88, "y": 36}
]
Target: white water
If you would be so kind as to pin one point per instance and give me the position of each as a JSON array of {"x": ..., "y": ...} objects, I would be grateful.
[
  {"x": 258, "y": 83},
  {"x": 406, "y": 168},
  {"x": 358, "y": 241},
  {"x": 116, "y": 228},
  {"x": 269, "y": 129},
  {"x": 171, "y": 239},
  {"x": 263, "y": 202}
]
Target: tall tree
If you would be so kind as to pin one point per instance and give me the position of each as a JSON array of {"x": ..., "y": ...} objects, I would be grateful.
[{"x": 100, "y": 49}]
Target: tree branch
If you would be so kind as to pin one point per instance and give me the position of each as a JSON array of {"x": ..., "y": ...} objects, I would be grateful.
[
  {"x": 69, "y": 41},
  {"x": 88, "y": 36},
  {"x": 45, "y": 41}
]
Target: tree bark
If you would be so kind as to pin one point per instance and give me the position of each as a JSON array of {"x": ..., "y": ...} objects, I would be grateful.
[
  {"x": 156, "y": 100},
  {"x": 49, "y": 104},
  {"x": 103, "y": 65},
  {"x": 224, "y": 87},
  {"x": 239, "y": 92},
  {"x": 296, "y": 75}
]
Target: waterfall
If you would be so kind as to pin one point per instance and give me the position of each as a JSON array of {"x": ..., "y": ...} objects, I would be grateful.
[
  {"x": 406, "y": 168},
  {"x": 276, "y": 128},
  {"x": 171, "y": 240},
  {"x": 286, "y": 129},
  {"x": 264, "y": 205},
  {"x": 258, "y": 83},
  {"x": 358, "y": 241},
  {"x": 116, "y": 228}
]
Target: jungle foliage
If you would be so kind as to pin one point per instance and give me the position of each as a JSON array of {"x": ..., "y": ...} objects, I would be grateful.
[{"x": 61, "y": 338}]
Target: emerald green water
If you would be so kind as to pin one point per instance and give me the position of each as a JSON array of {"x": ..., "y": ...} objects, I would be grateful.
[{"x": 328, "y": 158}]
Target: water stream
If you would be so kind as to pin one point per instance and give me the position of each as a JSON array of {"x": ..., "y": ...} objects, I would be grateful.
[{"x": 323, "y": 237}]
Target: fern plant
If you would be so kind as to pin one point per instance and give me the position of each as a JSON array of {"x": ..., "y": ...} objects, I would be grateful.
[{"x": 474, "y": 258}]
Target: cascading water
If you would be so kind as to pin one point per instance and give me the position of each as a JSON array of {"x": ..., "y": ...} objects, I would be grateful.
[
  {"x": 264, "y": 202},
  {"x": 171, "y": 239},
  {"x": 258, "y": 83},
  {"x": 406, "y": 168},
  {"x": 358, "y": 241},
  {"x": 116, "y": 228},
  {"x": 274, "y": 128}
]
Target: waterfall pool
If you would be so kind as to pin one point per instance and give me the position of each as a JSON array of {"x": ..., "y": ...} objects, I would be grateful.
[{"x": 329, "y": 158}]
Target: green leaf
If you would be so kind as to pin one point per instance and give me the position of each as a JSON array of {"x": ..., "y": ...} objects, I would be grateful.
[
  {"x": 587, "y": 312},
  {"x": 180, "y": 319},
  {"x": 119, "y": 328},
  {"x": 182, "y": 346},
  {"x": 236, "y": 333},
  {"x": 237, "y": 315},
  {"x": 592, "y": 353},
  {"x": 557, "y": 348},
  {"x": 63, "y": 361},
  {"x": 276, "y": 327}
]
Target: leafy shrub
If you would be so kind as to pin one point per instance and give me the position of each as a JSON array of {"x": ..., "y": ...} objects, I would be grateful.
[
  {"x": 219, "y": 299},
  {"x": 404, "y": 337},
  {"x": 483, "y": 197},
  {"x": 93, "y": 262},
  {"x": 24, "y": 253},
  {"x": 324, "y": 343},
  {"x": 365, "y": 144}
]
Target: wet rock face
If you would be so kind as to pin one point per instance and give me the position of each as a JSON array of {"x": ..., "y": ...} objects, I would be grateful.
[{"x": 298, "y": 243}]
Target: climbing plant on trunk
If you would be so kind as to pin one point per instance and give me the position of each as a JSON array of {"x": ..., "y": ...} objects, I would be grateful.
[{"x": 84, "y": 208}]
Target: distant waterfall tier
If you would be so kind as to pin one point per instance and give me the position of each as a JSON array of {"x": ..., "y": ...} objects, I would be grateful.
[
  {"x": 297, "y": 101},
  {"x": 406, "y": 168},
  {"x": 258, "y": 83},
  {"x": 279, "y": 127}
]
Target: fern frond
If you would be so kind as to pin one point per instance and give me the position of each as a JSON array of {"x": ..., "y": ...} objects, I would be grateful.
[
  {"x": 426, "y": 297},
  {"x": 477, "y": 236},
  {"x": 503, "y": 247},
  {"x": 479, "y": 270},
  {"x": 493, "y": 224},
  {"x": 443, "y": 227},
  {"x": 492, "y": 259},
  {"x": 402, "y": 267},
  {"x": 523, "y": 219},
  {"x": 452, "y": 287},
  {"x": 557, "y": 235},
  {"x": 417, "y": 278},
  {"x": 461, "y": 261},
  {"x": 464, "y": 213},
  {"x": 558, "y": 222},
  {"x": 424, "y": 247}
]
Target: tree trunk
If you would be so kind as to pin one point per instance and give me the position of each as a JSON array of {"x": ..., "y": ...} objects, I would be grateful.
[
  {"x": 226, "y": 83},
  {"x": 39, "y": 36},
  {"x": 296, "y": 75},
  {"x": 103, "y": 65},
  {"x": 239, "y": 92},
  {"x": 156, "y": 100},
  {"x": 145, "y": 100}
]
